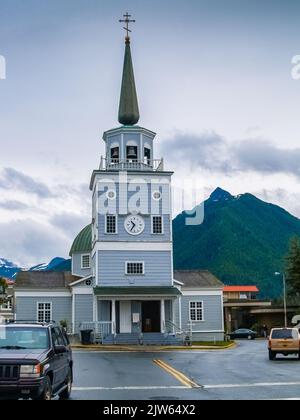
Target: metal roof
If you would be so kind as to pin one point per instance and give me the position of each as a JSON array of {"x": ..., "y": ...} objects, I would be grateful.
[
  {"x": 83, "y": 241},
  {"x": 197, "y": 279},
  {"x": 128, "y": 108},
  {"x": 44, "y": 279},
  {"x": 240, "y": 289}
]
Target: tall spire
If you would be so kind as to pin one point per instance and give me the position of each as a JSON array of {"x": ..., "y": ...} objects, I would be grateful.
[{"x": 128, "y": 108}]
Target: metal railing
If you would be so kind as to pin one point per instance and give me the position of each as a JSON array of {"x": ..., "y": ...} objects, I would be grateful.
[
  {"x": 101, "y": 329},
  {"x": 155, "y": 165},
  {"x": 171, "y": 328}
]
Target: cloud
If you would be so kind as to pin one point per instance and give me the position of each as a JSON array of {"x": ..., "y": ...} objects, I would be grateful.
[
  {"x": 209, "y": 150},
  {"x": 212, "y": 152},
  {"x": 26, "y": 242},
  {"x": 38, "y": 221},
  {"x": 289, "y": 200},
  {"x": 69, "y": 223},
  {"x": 262, "y": 156},
  {"x": 13, "y": 205},
  {"x": 11, "y": 179}
]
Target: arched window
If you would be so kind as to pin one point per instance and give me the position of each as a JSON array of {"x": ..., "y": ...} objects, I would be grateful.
[
  {"x": 147, "y": 155},
  {"x": 131, "y": 151},
  {"x": 115, "y": 154}
]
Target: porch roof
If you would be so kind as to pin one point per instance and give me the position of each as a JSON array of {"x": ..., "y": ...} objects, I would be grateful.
[{"x": 146, "y": 291}]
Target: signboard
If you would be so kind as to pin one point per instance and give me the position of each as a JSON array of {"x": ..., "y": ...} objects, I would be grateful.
[{"x": 135, "y": 318}]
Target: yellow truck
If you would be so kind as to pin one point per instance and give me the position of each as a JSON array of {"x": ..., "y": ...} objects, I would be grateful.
[{"x": 284, "y": 341}]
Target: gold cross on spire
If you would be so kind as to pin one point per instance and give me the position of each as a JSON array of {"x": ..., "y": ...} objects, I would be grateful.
[{"x": 127, "y": 20}]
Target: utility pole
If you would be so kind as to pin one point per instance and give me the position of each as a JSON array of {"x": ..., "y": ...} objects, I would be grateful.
[{"x": 284, "y": 296}]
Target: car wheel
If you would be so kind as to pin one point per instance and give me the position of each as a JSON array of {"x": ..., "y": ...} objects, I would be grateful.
[
  {"x": 66, "y": 393},
  {"x": 250, "y": 337},
  {"x": 47, "y": 393},
  {"x": 299, "y": 355},
  {"x": 272, "y": 355}
]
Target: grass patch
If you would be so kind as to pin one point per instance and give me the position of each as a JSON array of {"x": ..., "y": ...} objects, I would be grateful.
[{"x": 212, "y": 343}]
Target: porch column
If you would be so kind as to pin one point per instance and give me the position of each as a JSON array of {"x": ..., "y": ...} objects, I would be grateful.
[
  {"x": 95, "y": 309},
  {"x": 173, "y": 315},
  {"x": 113, "y": 316},
  {"x": 162, "y": 316}
]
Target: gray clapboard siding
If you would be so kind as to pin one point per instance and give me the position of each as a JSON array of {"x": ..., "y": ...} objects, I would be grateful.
[
  {"x": 168, "y": 310},
  {"x": 104, "y": 310},
  {"x": 212, "y": 307},
  {"x": 158, "y": 268},
  {"x": 209, "y": 337},
  {"x": 125, "y": 236},
  {"x": 76, "y": 266},
  {"x": 136, "y": 190},
  {"x": 26, "y": 308},
  {"x": 83, "y": 309},
  {"x": 136, "y": 308}
]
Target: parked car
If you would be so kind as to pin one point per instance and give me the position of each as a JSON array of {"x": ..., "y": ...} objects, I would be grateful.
[
  {"x": 243, "y": 333},
  {"x": 35, "y": 361},
  {"x": 284, "y": 341}
]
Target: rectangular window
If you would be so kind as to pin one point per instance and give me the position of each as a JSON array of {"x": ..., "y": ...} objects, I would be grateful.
[
  {"x": 157, "y": 225},
  {"x": 111, "y": 224},
  {"x": 85, "y": 261},
  {"x": 196, "y": 311},
  {"x": 134, "y": 268},
  {"x": 44, "y": 311}
]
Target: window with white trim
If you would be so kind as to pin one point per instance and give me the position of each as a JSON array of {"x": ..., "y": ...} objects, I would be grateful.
[
  {"x": 196, "y": 311},
  {"x": 44, "y": 311},
  {"x": 134, "y": 268},
  {"x": 85, "y": 261},
  {"x": 111, "y": 224},
  {"x": 157, "y": 225}
]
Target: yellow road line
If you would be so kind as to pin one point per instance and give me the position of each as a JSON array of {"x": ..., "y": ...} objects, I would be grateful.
[{"x": 183, "y": 379}]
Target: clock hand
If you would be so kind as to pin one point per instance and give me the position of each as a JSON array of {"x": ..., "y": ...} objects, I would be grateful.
[{"x": 133, "y": 225}]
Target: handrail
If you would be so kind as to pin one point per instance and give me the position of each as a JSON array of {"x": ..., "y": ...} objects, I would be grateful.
[
  {"x": 131, "y": 164},
  {"x": 101, "y": 329},
  {"x": 173, "y": 328}
]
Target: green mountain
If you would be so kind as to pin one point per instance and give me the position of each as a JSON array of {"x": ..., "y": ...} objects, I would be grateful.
[{"x": 243, "y": 240}]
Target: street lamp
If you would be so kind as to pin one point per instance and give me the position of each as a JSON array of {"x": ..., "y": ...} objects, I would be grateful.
[{"x": 284, "y": 295}]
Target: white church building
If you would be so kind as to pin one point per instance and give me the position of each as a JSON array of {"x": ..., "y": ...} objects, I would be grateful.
[{"x": 122, "y": 284}]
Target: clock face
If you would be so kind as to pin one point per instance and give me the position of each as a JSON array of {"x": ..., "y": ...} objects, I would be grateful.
[{"x": 134, "y": 225}]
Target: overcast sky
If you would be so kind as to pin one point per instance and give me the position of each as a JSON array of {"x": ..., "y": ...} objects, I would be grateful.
[{"x": 213, "y": 79}]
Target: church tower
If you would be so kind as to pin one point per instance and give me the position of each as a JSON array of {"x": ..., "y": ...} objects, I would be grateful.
[{"x": 132, "y": 262}]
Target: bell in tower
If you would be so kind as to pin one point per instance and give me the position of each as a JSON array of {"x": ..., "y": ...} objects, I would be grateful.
[{"x": 132, "y": 153}]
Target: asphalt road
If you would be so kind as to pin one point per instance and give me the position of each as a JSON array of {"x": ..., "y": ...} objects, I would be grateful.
[{"x": 241, "y": 373}]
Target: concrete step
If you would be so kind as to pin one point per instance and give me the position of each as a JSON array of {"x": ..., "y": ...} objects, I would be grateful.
[{"x": 147, "y": 339}]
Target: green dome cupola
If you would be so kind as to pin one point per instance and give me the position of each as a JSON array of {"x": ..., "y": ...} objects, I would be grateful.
[{"x": 82, "y": 242}]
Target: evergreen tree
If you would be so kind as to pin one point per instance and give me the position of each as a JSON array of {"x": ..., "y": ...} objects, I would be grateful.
[{"x": 293, "y": 266}]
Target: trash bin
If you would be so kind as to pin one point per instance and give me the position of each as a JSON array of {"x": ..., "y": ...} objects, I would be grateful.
[{"x": 86, "y": 337}]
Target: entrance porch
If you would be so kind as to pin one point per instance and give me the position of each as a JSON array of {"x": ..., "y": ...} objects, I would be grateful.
[
  {"x": 130, "y": 317},
  {"x": 135, "y": 316}
]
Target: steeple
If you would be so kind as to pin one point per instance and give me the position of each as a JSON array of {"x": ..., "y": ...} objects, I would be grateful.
[{"x": 128, "y": 108}]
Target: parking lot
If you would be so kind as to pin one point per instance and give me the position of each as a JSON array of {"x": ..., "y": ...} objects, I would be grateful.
[{"x": 244, "y": 372}]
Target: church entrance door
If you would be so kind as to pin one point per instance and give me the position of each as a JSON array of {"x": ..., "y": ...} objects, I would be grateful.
[{"x": 150, "y": 316}]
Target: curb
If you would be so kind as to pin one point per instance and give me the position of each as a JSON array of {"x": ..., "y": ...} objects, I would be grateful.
[{"x": 148, "y": 348}]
